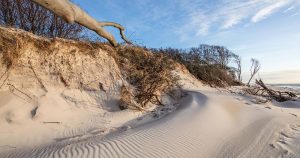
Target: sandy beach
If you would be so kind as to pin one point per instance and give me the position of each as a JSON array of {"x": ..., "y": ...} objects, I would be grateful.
[
  {"x": 207, "y": 122},
  {"x": 64, "y": 103}
]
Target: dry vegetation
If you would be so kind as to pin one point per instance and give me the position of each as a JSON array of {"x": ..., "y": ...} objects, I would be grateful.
[
  {"x": 149, "y": 74},
  {"x": 260, "y": 89},
  {"x": 208, "y": 63},
  {"x": 26, "y": 15},
  {"x": 12, "y": 43}
]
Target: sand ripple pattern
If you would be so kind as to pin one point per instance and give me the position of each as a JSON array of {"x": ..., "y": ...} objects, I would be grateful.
[
  {"x": 157, "y": 139},
  {"x": 172, "y": 136}
]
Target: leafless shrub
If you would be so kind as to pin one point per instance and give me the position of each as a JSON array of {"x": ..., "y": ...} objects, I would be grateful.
[
  {"x": 150, "y": 74},
  {"x": 26, "y": 15},
  {"x": 127, "y": 100},
  {"x": 207, "y": 63},
  {"x": 238, "y": 61},
  {"x": 255, "y": 66}
]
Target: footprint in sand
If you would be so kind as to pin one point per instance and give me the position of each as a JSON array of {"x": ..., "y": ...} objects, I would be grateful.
[
  {"x": 273, "y": 146},
  {"x": 283, "y": 146},
  {"x": 283, "y": 138},
  {"x": 294, "y": 114},
  {"x": 295, "y": 127},
  {"x": 239, "y": 99},
  {"x": 288, "y": 134},
  {"x": 97, "y": 131},
  {"x": 286, "y": 137},
  {"x": 268, "y": 107}
]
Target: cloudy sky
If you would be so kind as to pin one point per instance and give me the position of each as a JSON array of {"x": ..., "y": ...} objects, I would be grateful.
[{"x": 268, "y": 30}]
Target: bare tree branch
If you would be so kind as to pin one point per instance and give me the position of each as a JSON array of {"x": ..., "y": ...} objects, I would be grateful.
[
  {"x": 255, "y": 67},
  {"x": 72, "y": 13},
  {"x": 120, "y": 27},
  {"x": 238, "y": 61}
]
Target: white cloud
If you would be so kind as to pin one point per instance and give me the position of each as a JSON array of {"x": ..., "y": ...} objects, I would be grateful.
[
  {"x": 267, "y": 11},
  {"x": 203, "y": 17},
  {"x": 191, "y": 19},
  {"x": 232, "y": 20},
  {"x": 289, "y": 9}
]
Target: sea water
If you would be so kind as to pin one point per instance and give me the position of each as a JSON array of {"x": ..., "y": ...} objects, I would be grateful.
[{"x": 291, "y": 86}]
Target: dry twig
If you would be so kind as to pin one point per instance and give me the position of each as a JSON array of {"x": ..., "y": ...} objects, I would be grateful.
[{"x": 39, "y": 80}]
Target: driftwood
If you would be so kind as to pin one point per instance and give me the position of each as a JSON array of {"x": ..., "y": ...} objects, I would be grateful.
[
  {"x": 72, "y": 13},
  {"x": 280, "y": 96}
]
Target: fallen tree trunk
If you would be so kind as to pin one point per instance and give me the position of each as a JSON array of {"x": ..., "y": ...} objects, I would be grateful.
[
  {"x": 72, "y": 13},
  {"x": 280, "y": 96}
]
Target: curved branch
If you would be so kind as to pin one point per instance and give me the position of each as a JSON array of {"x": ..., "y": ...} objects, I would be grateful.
[
  {"x": 72, "y": 13},
  {"x": 118, "y": 26}
]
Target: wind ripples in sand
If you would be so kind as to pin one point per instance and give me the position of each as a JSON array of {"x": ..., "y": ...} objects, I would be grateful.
[{"x": 187, "y": 132}]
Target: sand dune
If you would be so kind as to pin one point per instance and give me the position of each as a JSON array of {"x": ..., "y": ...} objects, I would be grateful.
[{"x": 206, "y": 124}]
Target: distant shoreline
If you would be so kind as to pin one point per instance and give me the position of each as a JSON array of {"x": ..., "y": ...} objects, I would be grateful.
[{"x": 294, "y": 87}]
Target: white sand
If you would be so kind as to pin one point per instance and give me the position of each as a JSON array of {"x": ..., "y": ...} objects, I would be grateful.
[{"x": 208, "y": 123}]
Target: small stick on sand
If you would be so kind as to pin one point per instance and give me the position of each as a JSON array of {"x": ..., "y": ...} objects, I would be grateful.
[
  {"x": 9, "y": 146},
  {"x": 52, "y": 122}
]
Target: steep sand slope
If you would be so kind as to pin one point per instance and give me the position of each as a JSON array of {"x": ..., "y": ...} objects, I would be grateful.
[{"x": 55, "y": 88}]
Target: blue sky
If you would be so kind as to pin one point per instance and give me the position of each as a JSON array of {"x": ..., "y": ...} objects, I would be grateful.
[{"x": 268, "y": 30}]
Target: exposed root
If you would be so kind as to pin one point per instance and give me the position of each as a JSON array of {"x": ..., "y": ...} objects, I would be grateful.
[
  {"x": 13, "y": 88},
  {"x": 4, "y": 79},
  {"x": 63, "y": 80},
  {"x": 4, "y": 74},
  {"x": 39, "y": 80}
]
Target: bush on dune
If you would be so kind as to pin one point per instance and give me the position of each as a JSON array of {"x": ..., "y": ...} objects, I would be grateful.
[
  {"x": 207, "y": 63},
  {"x": 150, "y": 74},
  {"x": 212, "y": 75}
]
